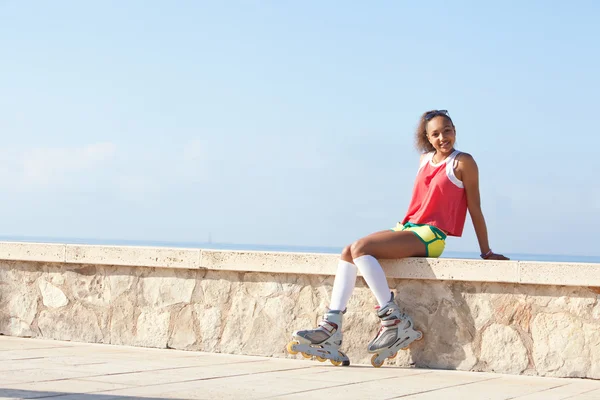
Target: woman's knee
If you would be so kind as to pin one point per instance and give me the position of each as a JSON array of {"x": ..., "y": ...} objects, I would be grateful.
[
  {"x": 359, "y": 248},
  {"x": 347, "y": 254}
]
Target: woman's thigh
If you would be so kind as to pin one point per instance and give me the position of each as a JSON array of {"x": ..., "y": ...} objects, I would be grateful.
[{"x": 389, "y": 245}]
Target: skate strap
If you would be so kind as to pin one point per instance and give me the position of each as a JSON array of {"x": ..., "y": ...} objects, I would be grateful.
[
  {"x": 328, "y": 326},
  {"x": 391, "y": 322}
]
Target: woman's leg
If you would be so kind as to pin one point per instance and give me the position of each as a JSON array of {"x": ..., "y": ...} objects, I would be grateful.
[
  {"x": 345, "y": 280},
  {"x": 361, "y": 254},
  {"x": 328, "y": 336},
  {"x": 397, "y": 330},
  {"x": 386, "y": 245},
  {"x": 389, "y": 245}
]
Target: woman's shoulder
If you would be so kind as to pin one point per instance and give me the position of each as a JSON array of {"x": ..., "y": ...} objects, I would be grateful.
[
  {"x": 465, "y": 162},
  {"x": 465, "y": 157}
]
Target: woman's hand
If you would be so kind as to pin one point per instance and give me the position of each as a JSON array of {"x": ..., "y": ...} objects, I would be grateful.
[{"x": 495, "y": 256}]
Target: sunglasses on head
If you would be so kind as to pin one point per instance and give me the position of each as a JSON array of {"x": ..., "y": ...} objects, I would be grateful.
[{"x": 435, "y": 113}]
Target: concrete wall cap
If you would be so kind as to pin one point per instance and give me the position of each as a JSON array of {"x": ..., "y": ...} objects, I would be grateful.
[{"x": 476, "y": 270}]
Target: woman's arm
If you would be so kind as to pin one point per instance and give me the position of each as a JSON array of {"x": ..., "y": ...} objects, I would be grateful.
[{"x": 469, "y": 174}]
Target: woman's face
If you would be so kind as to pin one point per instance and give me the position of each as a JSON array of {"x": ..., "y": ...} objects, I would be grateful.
[{"x": 441, "y": 134}]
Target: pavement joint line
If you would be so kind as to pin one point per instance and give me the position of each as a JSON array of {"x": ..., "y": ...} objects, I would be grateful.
[
  {"x": 346, "y": 384},
  {"x": 37, "y": 348},
  {"x": 189, "y": 380},
  {"x": 539, "y": 391},
  {"x": 62, "y": 366},
  {"x": 95, "y": 363},
  {"x": 19, "y": 369},
  {"x": 579, "y": 394},
  {"x": 442, "y": 388},
  {"x": 20, "y": 359},
  {"x": 304, "y": 378},
  {"x": 132, "y": 372}
]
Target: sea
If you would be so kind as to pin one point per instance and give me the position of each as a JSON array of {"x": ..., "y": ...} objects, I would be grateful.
[{"x": 571, "y": 258}]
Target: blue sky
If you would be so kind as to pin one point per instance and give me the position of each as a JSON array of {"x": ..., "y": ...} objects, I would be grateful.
[{"x": 291, "y": 123}]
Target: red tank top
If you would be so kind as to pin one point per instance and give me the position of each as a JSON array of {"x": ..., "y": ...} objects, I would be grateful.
[{"x": 438, "y": 198}]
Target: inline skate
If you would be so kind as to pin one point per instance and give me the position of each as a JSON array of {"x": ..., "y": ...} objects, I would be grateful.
[
  {"x": 396, "y": 332},
  {"x": 323, "y": 342}
]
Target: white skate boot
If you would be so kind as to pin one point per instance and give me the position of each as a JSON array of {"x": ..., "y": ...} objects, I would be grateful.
[
  {"x": 396, "y": 332},
  {"x": 322, "y": 342}
]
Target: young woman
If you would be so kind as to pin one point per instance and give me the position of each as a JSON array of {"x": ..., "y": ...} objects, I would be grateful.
[{"x": 446, "y": 186}]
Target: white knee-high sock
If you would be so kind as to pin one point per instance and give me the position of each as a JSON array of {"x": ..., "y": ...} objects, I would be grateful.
[
  {"x": 343, "y": 285},
  {"x": 375, "y": 277}
]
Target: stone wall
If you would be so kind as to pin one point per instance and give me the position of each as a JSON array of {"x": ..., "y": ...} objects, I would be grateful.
[{"x": 547, "y": 330}]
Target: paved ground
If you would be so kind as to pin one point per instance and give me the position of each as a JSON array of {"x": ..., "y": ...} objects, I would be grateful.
[{"x": 32, "y": 368}]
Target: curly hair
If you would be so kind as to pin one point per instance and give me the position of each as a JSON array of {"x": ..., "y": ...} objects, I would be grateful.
[{"x": 421, "y": 141}]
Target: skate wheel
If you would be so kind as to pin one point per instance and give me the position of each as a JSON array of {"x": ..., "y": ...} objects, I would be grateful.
[
  {"x": 290, "y": 346},
  {"x": 336, "y": 363},
  {"x": 416, "y": 340},
  {"x": 306, "y": 355},
  {"x": 393, "y": 355},
  {"x": 321, "y": 359},
  {"x": 374, "y": 361},
  {"x": 346, "y": 362}
]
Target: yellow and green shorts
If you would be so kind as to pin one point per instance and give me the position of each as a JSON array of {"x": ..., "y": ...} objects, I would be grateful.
[{"x": 434, "y": 239}]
